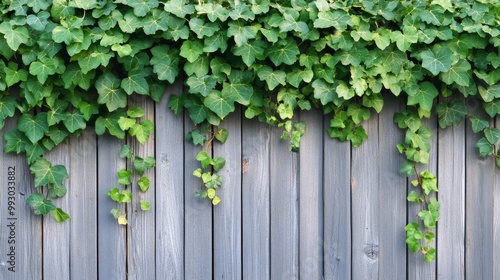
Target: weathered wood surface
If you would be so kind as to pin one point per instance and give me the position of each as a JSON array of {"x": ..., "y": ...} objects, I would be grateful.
[{"x": 327, "y": 212}]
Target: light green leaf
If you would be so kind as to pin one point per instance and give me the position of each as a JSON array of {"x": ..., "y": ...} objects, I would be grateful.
[
  {"x": 135, "y": 82},
  {"x": 241, "y": 32},
  {"x": 59, "y": 215},
  {"x": 142, "y": 130},
  {"x": 191, "y": 50},
  {"x": 124, "y": 177},
  {"x": 143, "y": 183},
  {"x": 145, "y": 206},
  {"x": 126, "y": 152}
]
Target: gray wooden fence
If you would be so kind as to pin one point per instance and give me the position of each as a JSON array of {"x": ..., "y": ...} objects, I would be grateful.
[{"x": 327, "y": 212}]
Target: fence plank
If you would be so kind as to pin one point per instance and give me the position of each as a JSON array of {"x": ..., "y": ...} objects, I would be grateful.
[
  {"x": 141, "y": 229},
  {"x": 496, "y": 219},
  {"x": 112, "y": 246},
  {"x": 82, "y": 193},
  {"x": 198, "y": 219},
  {"x": 284, "y": 210},
  {"x": 311, "y": 197},
  {"x": 337, "y": 208},
  {"x": 57, "y": 237},
  {"x": 169, "y": 190},
  {"x": 256, "y": 200},
  {"x": 365, "y": 227},
  {"x": 20, "y": 229},
  {"x": 227, "y": 215},
  {"x": 391, "y": 200},
  {"x": 451, "y": 183},
  {"x": 479, "y": 226}
]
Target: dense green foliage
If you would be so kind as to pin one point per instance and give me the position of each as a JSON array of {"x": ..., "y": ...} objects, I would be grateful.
[{"x": 69, "y": 65}]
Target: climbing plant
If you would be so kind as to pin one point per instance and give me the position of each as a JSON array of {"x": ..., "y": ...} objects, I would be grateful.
[{"x": 67, "y": 65}]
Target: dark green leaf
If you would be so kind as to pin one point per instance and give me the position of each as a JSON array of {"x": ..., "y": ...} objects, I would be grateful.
[
  {"x": 33, "y": 127},
  {"x": 451, "y": 113},
  {"x": 141, "y": 165},
  {"x": 40, "y": 205}
]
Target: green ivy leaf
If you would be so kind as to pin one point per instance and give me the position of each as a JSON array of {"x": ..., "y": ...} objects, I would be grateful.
[
  {"x": 120, "y": 197},
  {"x": 284, "y": 52},
  {"x": 429, "y": 182},
  {"x": 358, "y": 113},
  {"x": 15, "y": 141},
  {"x": 110, "y": 93},
  {"x": 142, "y": 130},
  {"x": 437, "y": 62},
  {"x": 251, "y": 51},
  {"x": 424, "y": 96},
  {"x": 478, "y": 124},
  {"x": 124, "y": 177},
  {"x": 165, "y": 63},
  {"x": 7, "y": 108},
  {"x": 141, "y": 165},
  {"x": 492, "y": 108},
  {"x": 126, "y": 123},
  {"x": 59, "y": 215},
  {"x": 451, "y": 113},
  {"x": 191, "y": 50},
  {"x": 492, "y": 134},
  {"x": 126, "y": 152},
  {"x": 218, "y": 163},
  {"x": 241, "y": 32},
  {"x": 135, "y": 112},
  {"x": 221, "y": 135},
  {"x": 221, "y": 103},
  {"x": 485, "y": 147},
  {"x": 74, "y": 121},
  {"x": 40, "y": 205},
  {"x": 14, "y": 35},
  {"x": 143, "y": 183},
  {"x": 46, "y": 174},
  {"x": 34, "y": 127},
  {"x": 145, "y": 206},
  {"x": 57, "y": 191},
  {"x": 204, "y": 159}
]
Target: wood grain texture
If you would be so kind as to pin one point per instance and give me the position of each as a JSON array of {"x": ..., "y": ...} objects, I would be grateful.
[
  {"x": 26, "y": 234},
  {"x": 256, "y": 200},
  {"x": 56, "y": 236},
  {"x": 391, "y": 199},
  {"x": 112, "y": 245},
  {"x": 479, "y": 226},
  {"x": 311, "y": 197},
  {"x": 227, "y": 214},
  {"x": 365, "y": 208},
  {"x": 141, "y": 229},
  {"x": 284, "y": 210},
  {"x": 451, "y": 184},
  {"x": 82, "y": 193},
  {"x": 496, "y": 219},
  {"x": 337, "y": 208},
  {"x": 198, "y": 243},
  {"x": 169, "y": 190}
]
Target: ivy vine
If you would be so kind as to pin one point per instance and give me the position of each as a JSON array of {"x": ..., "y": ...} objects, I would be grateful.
[{"x": 67, "y": 65}]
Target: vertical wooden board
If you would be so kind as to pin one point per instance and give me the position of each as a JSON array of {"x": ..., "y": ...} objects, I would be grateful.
[
  {"x": 479, "y": 227},
  {"x": 112, "y": 246},
  {"x": 169, "y": 190},
  {"x": 141, "y": 229},
  {"x": 255, "y": 200},
  {"x": 391, "y": 200},
  {"x": 20, "y": 228},
  {"x": 365, "y": 225},
  {"x": 57, "y": 236},
  {"x": 451, "y": 180},
  {"x": 82, "y": 193},
  {"x": 311, "y": 197},
  {"x": 284, "y": 178},
  {"x": 337, "y": 208},
  {"x": 496, "y": 219},
  {"x": 417, "y": 268},
  {"x": 197, "y": 218},
  {"x": 227, "y": 214}
]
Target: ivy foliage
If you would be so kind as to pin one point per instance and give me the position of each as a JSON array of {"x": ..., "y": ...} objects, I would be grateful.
[{"x": 68, "y": 65}]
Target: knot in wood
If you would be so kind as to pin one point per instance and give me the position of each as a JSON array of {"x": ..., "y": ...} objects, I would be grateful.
[{"x": 371, "y": 251}]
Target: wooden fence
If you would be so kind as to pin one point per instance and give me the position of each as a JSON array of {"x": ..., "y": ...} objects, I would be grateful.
[{"x": 327, "y": 212}]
